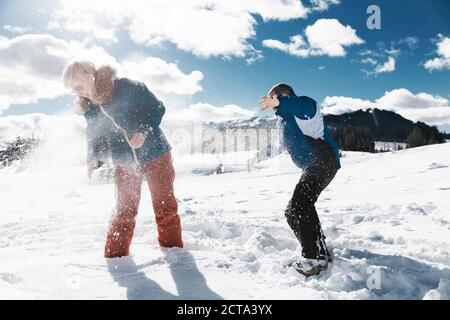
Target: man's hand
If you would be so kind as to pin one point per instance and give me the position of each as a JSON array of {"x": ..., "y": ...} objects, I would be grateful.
[
  {"x": 268, "y": 103},
  {"x": 137, "y": 140}
]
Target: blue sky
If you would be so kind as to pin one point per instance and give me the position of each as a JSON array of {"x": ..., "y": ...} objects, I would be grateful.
[{"x": 410, "y": 34}]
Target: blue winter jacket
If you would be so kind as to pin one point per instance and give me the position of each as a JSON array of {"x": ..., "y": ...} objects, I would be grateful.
[
  {"x": 302, "y": 108},
  {"x": 135, "y": 109}
]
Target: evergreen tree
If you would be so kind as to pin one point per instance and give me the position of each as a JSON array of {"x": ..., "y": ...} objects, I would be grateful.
[
  {"x": 17, "y": 150},
  {"x": 415, "y": 139}
]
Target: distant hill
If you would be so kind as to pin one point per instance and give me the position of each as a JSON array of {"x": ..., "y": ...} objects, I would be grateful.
[
  {"x": 384, "y": 125},
  {"x": 357, "y": 130}
]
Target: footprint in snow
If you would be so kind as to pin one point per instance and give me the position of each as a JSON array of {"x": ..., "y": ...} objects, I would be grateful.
[
  {"x": 10, "y": 278},
  {"x": 434, "y": 166}
]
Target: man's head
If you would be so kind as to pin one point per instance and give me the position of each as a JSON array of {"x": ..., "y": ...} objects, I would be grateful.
[
  {"x": 280, "y": 90},
  {"x": 79, "y": 76}
]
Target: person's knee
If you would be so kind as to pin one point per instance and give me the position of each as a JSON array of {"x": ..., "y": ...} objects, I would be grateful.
[
  {"x": 125, "y": 212},
  {"x": 292, "y": 220},
  {"x": 165, "y": 205},
  {"x": 167, "y": 218},
  {"x": 301, "y": 203}
]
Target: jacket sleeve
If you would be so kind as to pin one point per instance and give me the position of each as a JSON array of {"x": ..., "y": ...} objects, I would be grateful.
[
  {"x": 149, "y": 109},
  {"x": 98, "y": 146},
  {"x": 302, "y": 107}
]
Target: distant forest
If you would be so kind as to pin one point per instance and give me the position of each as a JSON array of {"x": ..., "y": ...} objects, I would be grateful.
[{"x": 358, "y": 131}]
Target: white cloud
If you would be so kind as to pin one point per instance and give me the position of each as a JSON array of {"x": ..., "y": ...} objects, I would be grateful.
[
  {"x": 326, "y": 37},
  {"x": 411, "y": 42},
  {"x": 31, "y": 67},
  {"x": 340, "y": 104},
  {"x": 393, "y": 52},
  {"x": 387, "y": 67},
  {"x": 194, "y": 27},
  {"x": 434, "y": 110},
  {"x": 162, "y": 76},
  {"x": 404, "y": 99},
  {"x": 368, "y": 52},
  {"x": 213, "y": 28},
  {"x": 329, "y": 37},
  {"x": 207, "y": 112},
  {"x": 322, "y": 5},
  {"x": 296, "y": 47},
  {"x": 269, "y": 9},
  {"x": 97, "y": 19},
  {"x": 369, "y": 61},
  {"x": 16, "y": 29},
  {"x": 443, "y": 52},
  {"x": 384, "y": 60}
]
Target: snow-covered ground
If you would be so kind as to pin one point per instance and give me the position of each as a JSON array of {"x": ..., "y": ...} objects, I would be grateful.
[{"x": 387, "y": 216}]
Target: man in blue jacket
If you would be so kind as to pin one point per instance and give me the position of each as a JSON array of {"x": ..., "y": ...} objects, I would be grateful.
[{"x": 312, "y": 148}]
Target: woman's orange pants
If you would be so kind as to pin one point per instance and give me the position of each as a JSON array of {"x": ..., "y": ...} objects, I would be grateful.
[{"x": 160, "y": 176}]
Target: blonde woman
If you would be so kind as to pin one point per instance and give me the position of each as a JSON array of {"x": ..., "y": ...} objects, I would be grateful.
[{"x": 126, "y": 115}]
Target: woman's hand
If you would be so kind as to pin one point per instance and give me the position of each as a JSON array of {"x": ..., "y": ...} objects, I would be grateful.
[
  {"x": 137, "y": 140},
  {"x": 268, "y": 103},
  {"x": 81, "y": 105},
  {"x": 93, "y": 165}
]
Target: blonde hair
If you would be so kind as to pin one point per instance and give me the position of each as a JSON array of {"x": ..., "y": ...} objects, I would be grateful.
[{"x": 77, "y": 69}]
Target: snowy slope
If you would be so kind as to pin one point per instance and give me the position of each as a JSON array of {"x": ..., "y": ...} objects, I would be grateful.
[{"x": 386, "y": 215}]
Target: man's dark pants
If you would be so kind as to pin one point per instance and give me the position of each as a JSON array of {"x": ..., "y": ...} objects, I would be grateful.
[{"x": 301, "y": 213}]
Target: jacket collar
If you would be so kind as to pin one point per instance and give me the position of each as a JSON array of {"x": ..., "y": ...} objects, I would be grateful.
[{"x": 104, "y": 85}]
